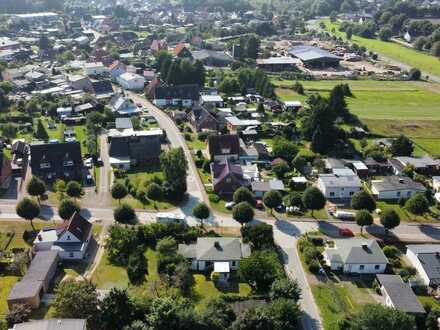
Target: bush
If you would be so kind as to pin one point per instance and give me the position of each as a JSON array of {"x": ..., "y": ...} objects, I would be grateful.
[
  {"x": 310, "y": 253},
  {"x": 303, "y": 243},
  {"x": 316, "y": 240},
  {"x": 314, "y": 266},
  {"x": 214, "y": 198},
  {"x": 391, "y": 251}
]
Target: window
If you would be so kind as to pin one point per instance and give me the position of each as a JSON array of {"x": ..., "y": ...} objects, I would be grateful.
[
  {"x": 377, "y": 267},
  {"x": 361, "y": 267},
  {"x": 226, "y": 151},
  {"x": 233, "y": 263},
  {"x": 44, "y": 165},
  {"x": 70, "y": 254},
  {"x": 351, "y": 193},
  {"x": 68, "y": 237},
  {"x": 332, "y": 193},
  {"x": 398, "y": 194},
  {"x": 68, "y": 163}
]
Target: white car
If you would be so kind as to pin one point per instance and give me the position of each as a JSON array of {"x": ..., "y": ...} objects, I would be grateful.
[
  {"x": 229, "y": 205},
  {"x": 88, "y": 163}
]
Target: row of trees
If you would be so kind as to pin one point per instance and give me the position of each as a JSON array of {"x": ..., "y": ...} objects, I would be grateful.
[
  {"x": 245, "y": 79},
  {"x": 180, "y": 71}
]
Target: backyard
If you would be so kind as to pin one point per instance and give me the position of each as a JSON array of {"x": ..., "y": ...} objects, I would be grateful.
[{"x": 392, "y": 50}]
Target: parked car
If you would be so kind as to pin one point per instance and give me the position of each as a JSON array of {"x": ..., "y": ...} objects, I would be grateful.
[
  {"x": 346, "y": 232},
  {"x": 344, "y": 215},
  {"x": 229, "y": 205}
]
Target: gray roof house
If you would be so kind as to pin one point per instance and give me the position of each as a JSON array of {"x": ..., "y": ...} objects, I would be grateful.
[
  {"x": 395, "y": 187},
  {"x": 223, "y": 253},
  {"x": 338, "y": 187},
  {"x": 53, "y": 324},
  {"x": 398, "y": 294},
  {"x": 356, "y": 255},
  {"x": 426, "y": 259}
]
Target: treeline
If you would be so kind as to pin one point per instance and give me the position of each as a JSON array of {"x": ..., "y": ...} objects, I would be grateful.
[
  {"x": 246, "y": 79},
  {"x": 180, "y": 71},
  {"x": 27, "y": 6}
]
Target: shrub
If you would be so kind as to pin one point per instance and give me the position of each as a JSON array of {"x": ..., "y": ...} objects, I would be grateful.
[
  {"x": 391, "y": 251},
  {"x": 214, "y": 198},
  {"x": 310, "y": 253},
  {"x": 314, "y": 266},
  {"x": 316, "y": 240},
  {"x": 303, "y": 243}
]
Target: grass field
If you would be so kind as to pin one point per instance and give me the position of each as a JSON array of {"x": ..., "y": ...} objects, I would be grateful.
[
  {"x": 411, "y": 57},
  {"x": 6, "y": 284}
]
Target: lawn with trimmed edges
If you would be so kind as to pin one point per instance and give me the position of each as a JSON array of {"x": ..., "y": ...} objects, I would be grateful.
[
  {"x": 6, "y": 284},
  {"x": 409, "y": 56}
]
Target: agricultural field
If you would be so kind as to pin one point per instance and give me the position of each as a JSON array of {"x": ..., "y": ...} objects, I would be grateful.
[
  {"x": 425, "y": 62},
  {"x": 388, "y": 108}
]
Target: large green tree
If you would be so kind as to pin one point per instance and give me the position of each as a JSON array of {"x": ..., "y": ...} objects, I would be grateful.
[
  {"x": 363, "y": 201},
  {"x": 36, "y": 187},
  {"x": 402, "y": 146},
  {"x": 174, "y": 166},
  {"x": 243, "y": 194},
  {"x": 137, "y": 267},
  {"x": 154, "y": 193},
  {"x": 74, "y": 189},
  {"x": 28, "y": 209},
  {"x": 67, "y": 208},
  {"x": 116, "y": 309},
  {"x": 201, "y": 211},
  {"x": 119, "y": 191},
  {"x": 313, "y": 199},
  {"x": 243, "y": 213},
  {"x": 364, "y": 218},
  {"x": 272, "y": 199},
  {"x": 41, "y": 132},
  {"x": 124, "y": 213},
  {"x": 389, "y": 219}
]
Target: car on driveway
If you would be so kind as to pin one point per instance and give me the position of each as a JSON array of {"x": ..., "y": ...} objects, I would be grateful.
[
  {"x": 229, "y": 205},
  {"x": 346, "y": 232}
]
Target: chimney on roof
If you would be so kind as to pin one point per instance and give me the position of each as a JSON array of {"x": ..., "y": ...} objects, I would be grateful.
[{"x": 365, "y": 246}]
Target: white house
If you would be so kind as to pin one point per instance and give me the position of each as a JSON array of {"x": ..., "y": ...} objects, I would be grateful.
[
  {"x": 131, "y": 81},
  {"x": 70, "y": 239},
  {"x": 398, "y": 294},
  {"x": 179, "y": 95},
  {"x": 338, "y": 187},
  {"x": 356, "y": 255},
  {"x": 292, "y": 105},
  {"x": 123, "y": 106},
  {"x": 209, "y": 251},
  {"x": 426, "y": 259},
  {"x": 95, "y": 69},
  {"x": 395, "y": 187},
  {"x": 215, "y": 101}
]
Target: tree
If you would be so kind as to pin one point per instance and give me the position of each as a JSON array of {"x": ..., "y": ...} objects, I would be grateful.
[
  {"x": 385, "y": 33},
  {"x": 260, "y": 107},
  {"x": 167, "y": 246},
  {"x": 298, "y": 87},
  {"x": 363, "y": 201},
  {"x": 183, "y": 278},
  {"x": 119, "y": 191},
  {"x": 174, "y": 166},
  {"x": 41, "y": 132},
  {"x": 337, "y": 104},
  {"x": 284, "y": 149},
  {"x": 137, "y": 267},
  {"x": 402, "y": 146},
  {"x": 418, "y": 204},
  {"x": 294, "y": 199},
  {"x": 217, "y": 315},
  {"x": 349, "y": 33},
  {"x": 313, "y": 199},
  {"x": 243, "y": 194},
  {"x": 116, "y": 309},
  {"x": 389, "y": 219},
  {"x": 414, "y": 74},
  {"x": 280, "y": 169},
  {"x": 76, "y": 300},
  {"x": 124, "y": 214},
  {"x": 67, "y": 208},
  {"x": 435, "y": 49},
  {"x": 74, "y": 189},
  {"x": 377, "y": 316},
  {"x": 299, "y": 162},
  {"x": 272, "y": 199},
  {"x": 201, "y": 211},
  {"x": 121, "y": 241},
  {"x": 28, "y": 209},
  {"x": 260, "y": 236},
  {"x": 333, "y": 16},
  {"x": 420, "y": 43},
  {"x": 19, "y": 313},
  {"x": 154, "y": 192},
  {"x": 364, "y": 218},
  {"x": 252, "y": 46},
  {"x": 260, "y": 269},
  {"x": 285, "y": 288},
  {"x": 36, "y": 187},
  {"x": 243, "y": 213},
  {"x": 431, "y": 322},
  {"x": 285, "y": 314}
]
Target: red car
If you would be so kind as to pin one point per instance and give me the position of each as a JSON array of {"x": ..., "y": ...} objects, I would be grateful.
[{"x": 346, "y": 232}]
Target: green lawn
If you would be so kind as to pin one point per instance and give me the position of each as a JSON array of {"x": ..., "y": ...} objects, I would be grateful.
[
  {"x": 336, "y": 300},
  {"x": 409, "y": 56},
  {"x": 6, "y": 284},
  {"x": 405, "y": 216},
  {"x": 429, "y": 301},
  {"x": 427, "y": 146},
  {"x": 19, "y": 227},
  {"x": 204, "y": 290},
  {"x": 107, "y": 276}
]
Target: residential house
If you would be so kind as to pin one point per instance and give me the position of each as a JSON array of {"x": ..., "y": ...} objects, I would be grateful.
[
  {"x": 70, "y": 239},
  {"x": 291, "y": 105},
  {"x": 79, "y": 82},
  {"x": 179, "y": 95},
  {"x": 377, "y": 167},
  {"x": 356, "y": 255},
  {"x": 259, "y": 188},
  {"x": 123, "y": 106},
  {"x": 5, "y": 171},
  {"x": 131, "y": 81},
  {"x": 212, "y": 58},
  {"x": 219, "y": 254},
  {"x": 51, "y": 161},
  {"x": 20, "y": 155},
  {"x": 116, "y": 69},
  {"x": 398, "y": 294},
  {"x": 30, "y": 289},
  {"x": 202, "y": 120},
  {"x": 130, "y": 147},
  {"x": 425, "y": 258},
  {"x": 52, "y": 324},
  {"x": 221, "y": 146},
  {"x": 423, "y": 165},
  {"x": 227, "y": 177},
  {"x": 102, "y": 89},
  {"x": 211, "y": 101},
  {"x": 95, "y": 69},
  {"x": 395, "y": 187},
  {"x": 123, "y": 124},
  {"x": 158, "y": 45},
  {"x": 359, "y": 168},
  {"x": 236, "y": 125},
  {"x": 333, "y": 163},
  {"x": 182, "y": 51},
  {"x": 338, "y": 187}
]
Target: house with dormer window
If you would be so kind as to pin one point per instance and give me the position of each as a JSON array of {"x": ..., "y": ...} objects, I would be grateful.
[
  {"x": 70, "y": 239},
  {"x": 51, "y": 161}
]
